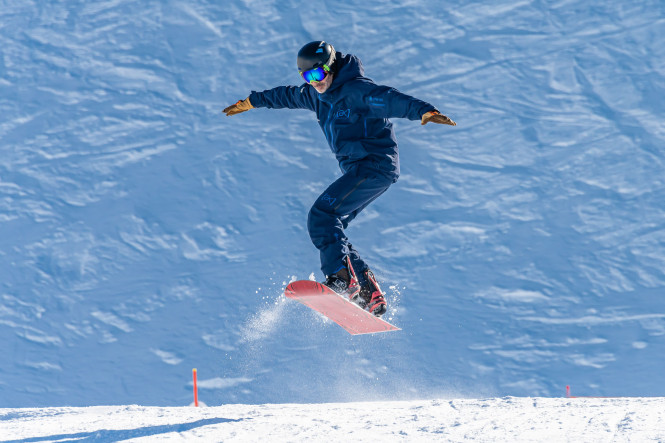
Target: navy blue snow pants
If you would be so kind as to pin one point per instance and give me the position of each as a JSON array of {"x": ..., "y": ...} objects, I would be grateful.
[{"x": 333, "y": 211}]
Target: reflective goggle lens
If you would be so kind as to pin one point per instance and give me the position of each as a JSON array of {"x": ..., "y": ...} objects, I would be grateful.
[{"x": 314, "y": 75}]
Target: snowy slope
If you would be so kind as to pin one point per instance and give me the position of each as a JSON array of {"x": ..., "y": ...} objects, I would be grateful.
[
  {"x": 507, "y": 419},
  {"x": 143, "y": 233}
]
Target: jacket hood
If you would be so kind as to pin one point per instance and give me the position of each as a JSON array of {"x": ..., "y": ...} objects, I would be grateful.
[{"x": 347, "y": 67}]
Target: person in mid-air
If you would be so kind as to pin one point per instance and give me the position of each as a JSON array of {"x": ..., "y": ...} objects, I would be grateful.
[{"x": 353, "y": 113}]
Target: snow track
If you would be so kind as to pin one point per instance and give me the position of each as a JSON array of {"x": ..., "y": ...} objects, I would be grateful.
[{"x": 506, "y": 419}]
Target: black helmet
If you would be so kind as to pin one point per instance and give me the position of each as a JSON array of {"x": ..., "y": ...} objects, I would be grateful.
[{"x": 314, "y": 55}]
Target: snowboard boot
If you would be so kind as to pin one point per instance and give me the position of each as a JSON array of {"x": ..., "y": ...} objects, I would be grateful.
[
  {"x": 372, "y": 296},
  {"x": 344, "y": 282}
]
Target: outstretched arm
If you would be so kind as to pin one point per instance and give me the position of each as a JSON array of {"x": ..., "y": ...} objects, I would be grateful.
[
  {"x": 387, "y": 102},
  {"x": 291, "y": 97}
]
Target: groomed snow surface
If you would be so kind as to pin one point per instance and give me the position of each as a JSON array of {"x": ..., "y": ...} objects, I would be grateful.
[{"x": 506, "y": 419}]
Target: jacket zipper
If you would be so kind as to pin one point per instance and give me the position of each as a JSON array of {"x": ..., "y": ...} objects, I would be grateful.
[{"x": 330, "y": 131}]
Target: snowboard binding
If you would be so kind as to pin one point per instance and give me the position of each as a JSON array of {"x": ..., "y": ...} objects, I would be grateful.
[
  {"x": 369, "y": 297},
  {"x": 344, "y": 281}
]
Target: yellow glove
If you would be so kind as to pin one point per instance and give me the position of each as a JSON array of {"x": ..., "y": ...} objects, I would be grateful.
[
  {"x": 436, "y": 117},
  {"x": 237, "y": 108}
]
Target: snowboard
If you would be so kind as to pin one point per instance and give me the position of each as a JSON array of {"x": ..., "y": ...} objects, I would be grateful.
[{"x": 348, "y": 315}]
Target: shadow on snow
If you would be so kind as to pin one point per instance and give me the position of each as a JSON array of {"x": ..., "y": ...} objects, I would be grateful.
[{"x": 125, "y": 434}]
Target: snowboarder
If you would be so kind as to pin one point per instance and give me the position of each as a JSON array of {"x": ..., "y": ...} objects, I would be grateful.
[{"x": 353, "y": 113}]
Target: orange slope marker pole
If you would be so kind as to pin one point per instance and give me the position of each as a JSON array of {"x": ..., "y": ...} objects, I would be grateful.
[{"x": 196, "y": 390}]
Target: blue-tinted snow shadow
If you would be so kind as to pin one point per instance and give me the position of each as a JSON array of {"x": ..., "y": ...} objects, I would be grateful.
[{"x": 126, "y": 434}]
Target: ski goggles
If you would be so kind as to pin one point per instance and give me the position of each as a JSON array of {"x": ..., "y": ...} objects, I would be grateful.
[{"x": 316, "y": 74}]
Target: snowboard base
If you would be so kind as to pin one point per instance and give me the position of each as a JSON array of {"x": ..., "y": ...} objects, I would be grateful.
[{"x": 348, "y": 315}]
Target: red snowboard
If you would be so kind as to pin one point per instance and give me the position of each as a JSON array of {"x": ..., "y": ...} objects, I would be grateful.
[{"x": 346, "y": 314}]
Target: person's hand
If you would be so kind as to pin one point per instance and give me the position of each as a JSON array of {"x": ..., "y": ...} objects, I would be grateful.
[
  {"x": 436, "y": 117},
  {"x": 237, "y": 108}
]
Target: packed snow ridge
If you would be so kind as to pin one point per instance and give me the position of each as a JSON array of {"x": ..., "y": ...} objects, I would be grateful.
[{"x": 497, "y": 419}]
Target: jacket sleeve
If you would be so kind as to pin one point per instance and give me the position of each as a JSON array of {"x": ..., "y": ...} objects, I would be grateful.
[
  {"x": 291, "y": 97},
  {"x": 387, "y": 102}
]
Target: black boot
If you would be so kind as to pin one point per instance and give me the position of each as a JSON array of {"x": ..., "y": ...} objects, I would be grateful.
[
  {"x": 372, "y": 296},
  {"x": 344, "y": 282}
]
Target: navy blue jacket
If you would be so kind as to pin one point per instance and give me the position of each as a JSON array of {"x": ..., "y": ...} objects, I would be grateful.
[{"x": 353, "y": 114}]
